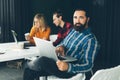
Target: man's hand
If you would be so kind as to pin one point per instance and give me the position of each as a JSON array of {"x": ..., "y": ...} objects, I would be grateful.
[
  {"x": 62, "y": 66},
  {"x": 60, "y": 51}
]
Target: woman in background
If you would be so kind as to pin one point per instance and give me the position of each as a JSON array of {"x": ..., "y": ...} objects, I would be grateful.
[{"x": 39, "y": 29}]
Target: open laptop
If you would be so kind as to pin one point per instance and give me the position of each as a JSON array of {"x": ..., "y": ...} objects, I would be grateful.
[
  {"x": 14, "y": 36},
  {"x": 46, "y": 49},
  {"x": 26, "y": 44}
]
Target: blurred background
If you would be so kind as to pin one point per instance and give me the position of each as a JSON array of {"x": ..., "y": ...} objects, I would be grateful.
[{"x": 105, "y": 22}]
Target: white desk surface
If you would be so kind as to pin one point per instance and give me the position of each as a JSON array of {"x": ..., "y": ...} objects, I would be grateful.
[{"x": 13, "y": 53}]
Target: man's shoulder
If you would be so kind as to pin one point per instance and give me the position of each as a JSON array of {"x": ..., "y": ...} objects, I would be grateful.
[{"x": 68, "y": 24}]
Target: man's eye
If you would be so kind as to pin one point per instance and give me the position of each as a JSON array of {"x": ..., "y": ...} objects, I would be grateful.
[
  {"x": 74, "y": 17},
  {"x": 81, "y": 17}
]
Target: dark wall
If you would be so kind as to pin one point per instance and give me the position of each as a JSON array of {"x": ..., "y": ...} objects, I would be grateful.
[
  {"x": 14, "y": 14},
  {"x": 106, "y": 27}
]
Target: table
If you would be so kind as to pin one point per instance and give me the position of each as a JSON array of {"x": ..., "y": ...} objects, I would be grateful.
[{"x": 12, "y": 52}]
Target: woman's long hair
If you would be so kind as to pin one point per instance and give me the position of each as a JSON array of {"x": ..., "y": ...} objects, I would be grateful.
[{"x": 41, "y": 19}]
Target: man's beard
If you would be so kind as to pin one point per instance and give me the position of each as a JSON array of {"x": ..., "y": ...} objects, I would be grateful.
[{"x": 79, "y": 28}]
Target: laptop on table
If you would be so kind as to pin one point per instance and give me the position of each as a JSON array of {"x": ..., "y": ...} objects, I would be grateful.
[
  {"x": 47, "y": 49},
  {"x": 26, "y": 44},
  {"x": 14, "y": 36}
]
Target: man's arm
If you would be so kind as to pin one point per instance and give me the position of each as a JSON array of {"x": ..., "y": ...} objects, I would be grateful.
[{"x": 90, "y": 50}]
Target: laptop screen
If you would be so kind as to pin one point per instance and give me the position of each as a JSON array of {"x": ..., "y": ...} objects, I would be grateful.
[{"x": 14, "y": 36}]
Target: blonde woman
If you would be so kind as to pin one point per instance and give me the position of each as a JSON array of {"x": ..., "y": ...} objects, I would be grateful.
[{"x": 40, "y": 29}]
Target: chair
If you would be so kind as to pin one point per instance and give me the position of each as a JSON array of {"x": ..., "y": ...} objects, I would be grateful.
[
  {"x": 107, "y": 74},
  {"x": 76, "y": 77}
]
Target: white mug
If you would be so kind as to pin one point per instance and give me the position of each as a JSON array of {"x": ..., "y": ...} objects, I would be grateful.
[
  {"x": 20, "y": 45},
  {"x": 26, "y": 36}
]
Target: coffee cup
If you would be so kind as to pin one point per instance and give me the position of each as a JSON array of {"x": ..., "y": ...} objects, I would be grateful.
[
  {"x": 26, "y": 36},
  {"x": 20, "y": 45}
]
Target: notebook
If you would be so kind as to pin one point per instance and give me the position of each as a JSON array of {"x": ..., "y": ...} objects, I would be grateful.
[{"x": 45, "y": 48}]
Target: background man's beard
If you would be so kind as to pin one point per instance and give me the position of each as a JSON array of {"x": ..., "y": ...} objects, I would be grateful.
[{"x": 79, "y": 28}]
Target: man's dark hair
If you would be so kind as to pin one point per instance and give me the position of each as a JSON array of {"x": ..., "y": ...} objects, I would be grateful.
[
  {"x": 58, "y": 13},
  {"x": 83, "y": 9}
]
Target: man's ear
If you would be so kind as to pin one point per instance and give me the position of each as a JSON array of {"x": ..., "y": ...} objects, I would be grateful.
[
  {"x": 87, "y": 22},
  {"x": 60, "y": 17},
  {"x": 88, "y": 19}
]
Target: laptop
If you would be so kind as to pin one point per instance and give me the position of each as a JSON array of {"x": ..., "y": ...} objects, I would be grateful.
[
  {"x": 46, "y": 48},
  {"x": 14, "y": 36},
  {"x": 26, "y": 44}
]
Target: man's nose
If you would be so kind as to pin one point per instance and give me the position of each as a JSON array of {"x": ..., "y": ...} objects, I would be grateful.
[{"x": 78, "y": 20}]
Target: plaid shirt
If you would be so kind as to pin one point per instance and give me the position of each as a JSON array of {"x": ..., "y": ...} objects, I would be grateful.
[
  {"x": 82, "y": 46},
  {"x": 62, "y": 33}
]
